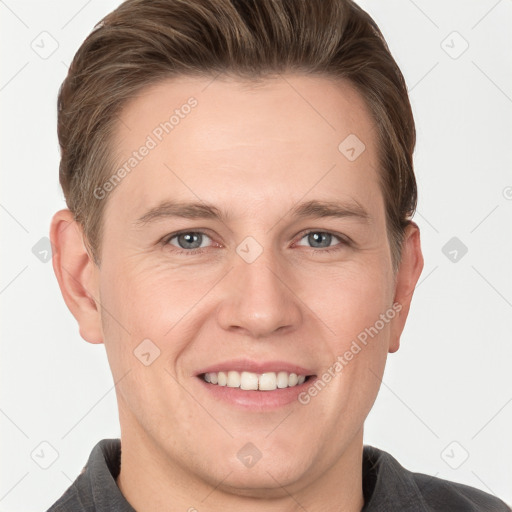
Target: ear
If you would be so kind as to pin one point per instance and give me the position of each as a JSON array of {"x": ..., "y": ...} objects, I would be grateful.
[
  {"x": 77, "y": 274},
  {"x": 408, "y": 273}
]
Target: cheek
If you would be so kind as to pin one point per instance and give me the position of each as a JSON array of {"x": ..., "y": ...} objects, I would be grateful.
[
  {"x": 149, "y": 299},
  {"x": 352, "y": 301},
  {"x": 150, "y": 309},
  {"x": 357, "y": 308},
  {"x": 145, "y": 332}
]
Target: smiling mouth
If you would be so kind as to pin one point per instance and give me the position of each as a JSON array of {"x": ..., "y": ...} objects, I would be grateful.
[{"x": 268, "y": 381}]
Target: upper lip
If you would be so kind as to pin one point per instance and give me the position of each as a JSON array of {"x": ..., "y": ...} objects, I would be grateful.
[{"x": 247, "y": 365}]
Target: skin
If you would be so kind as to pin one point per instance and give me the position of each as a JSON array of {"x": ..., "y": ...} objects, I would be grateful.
[{"x": 255, "y": 152}]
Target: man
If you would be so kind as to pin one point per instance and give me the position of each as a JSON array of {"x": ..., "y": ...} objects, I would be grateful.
[{"x": 240, "y": 187}]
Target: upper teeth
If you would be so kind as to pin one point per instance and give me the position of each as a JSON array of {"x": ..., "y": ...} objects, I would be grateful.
[{"x": 248, "y": 380}]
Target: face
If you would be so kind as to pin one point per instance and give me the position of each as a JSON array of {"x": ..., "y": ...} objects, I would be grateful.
[{"x": 280, "y": 268}]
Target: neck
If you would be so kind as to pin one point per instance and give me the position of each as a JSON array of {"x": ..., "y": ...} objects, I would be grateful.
[{"x": 150, "y": 480}]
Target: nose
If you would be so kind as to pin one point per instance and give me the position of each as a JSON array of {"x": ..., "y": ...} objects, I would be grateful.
[{"x": 259, "y": 298}]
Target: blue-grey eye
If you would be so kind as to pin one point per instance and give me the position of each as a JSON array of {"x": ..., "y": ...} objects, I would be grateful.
[
  {"x": 189, "y": 240},
  {"x": 319, "y": 239}
]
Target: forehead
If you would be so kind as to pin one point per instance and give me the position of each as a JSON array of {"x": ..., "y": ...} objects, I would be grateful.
[{"x": 222, "y": 139}]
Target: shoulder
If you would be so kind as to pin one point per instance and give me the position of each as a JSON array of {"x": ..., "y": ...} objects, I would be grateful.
[
  {"x": 75, "y": 498},
  {"x": 440, "y": 494},
  {"x": 95, "y": 487},
  {"x": 391, "y": 487}
]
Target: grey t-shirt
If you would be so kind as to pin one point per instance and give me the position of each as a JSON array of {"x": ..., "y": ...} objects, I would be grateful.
[{"x": 387, "y": 487}]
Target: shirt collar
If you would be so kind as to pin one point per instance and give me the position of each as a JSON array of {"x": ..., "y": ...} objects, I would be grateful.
[{"x": 388, "y": 486}]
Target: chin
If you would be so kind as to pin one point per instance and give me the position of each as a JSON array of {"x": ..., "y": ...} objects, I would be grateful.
[{"x": 265, "y": 480}]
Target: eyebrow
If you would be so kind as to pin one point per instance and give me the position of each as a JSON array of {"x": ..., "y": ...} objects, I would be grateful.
[{"x": 309, "y": 209}]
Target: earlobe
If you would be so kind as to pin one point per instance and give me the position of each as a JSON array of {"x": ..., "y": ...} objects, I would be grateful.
[
  {"x": 76, "y": 274},
  {"x": 409, "y": 271}
]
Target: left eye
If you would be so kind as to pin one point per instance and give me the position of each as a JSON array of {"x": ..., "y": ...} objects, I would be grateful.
[{"x": 317, "y": 238}]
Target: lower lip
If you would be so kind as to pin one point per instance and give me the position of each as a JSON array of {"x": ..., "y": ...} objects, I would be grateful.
[{"x": 255, "y": 399}]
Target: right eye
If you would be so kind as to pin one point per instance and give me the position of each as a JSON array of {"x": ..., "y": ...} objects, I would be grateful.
[{"x": 187, "y": 242}]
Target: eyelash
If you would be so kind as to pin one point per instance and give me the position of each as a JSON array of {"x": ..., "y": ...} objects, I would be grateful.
[{"x": 344, "y": 242}]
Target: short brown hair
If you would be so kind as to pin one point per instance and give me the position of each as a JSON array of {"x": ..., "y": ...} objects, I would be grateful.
[{"x": 145, "y": 41}]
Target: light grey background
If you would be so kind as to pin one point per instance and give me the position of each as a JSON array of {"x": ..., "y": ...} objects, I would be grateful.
[{"x": 446, "y": 394}]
